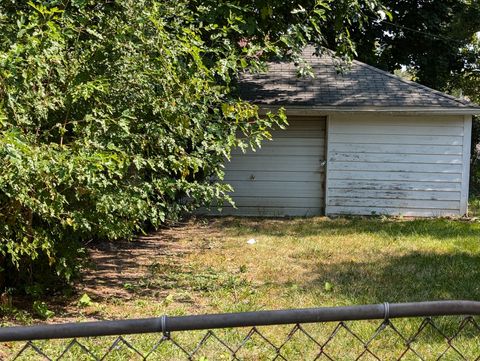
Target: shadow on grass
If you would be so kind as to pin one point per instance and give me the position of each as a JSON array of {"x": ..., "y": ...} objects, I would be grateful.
[
  {"x": 414, "y": 277},
  {"x": 409, "y": 278}
]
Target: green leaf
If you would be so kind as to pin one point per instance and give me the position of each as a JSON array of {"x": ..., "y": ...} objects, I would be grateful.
[
  {"x": 41, "y": 310},
  {"x": 328, "y": 287},
  {"x": 85, "y": 301}
]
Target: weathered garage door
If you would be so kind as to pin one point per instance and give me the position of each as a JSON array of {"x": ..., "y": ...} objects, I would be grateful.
[{"x": 283, "y": 178}]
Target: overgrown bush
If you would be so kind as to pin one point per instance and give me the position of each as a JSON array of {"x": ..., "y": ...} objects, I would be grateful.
[
  {"x": 117, "y": 115},
  {"x": 475, "y": 161}
]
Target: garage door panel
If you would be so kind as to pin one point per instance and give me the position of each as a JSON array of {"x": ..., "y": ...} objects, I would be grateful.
[
  {"x": 296, "y": 142},
  {"x": 300, "y": 202},
  {"x": 301, "y": 133},
  {"x": 276, "y": 189},
  {"x": 281, "y": 150},
  {"x": 270, "y": 211},
  {"x": 271, "y": 163},
  {"x": 312, "y": 123},
  {"x": 284, "y": 177}
]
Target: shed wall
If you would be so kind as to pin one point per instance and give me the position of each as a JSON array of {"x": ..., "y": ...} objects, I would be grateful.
[{"x": 397, "y": 165}]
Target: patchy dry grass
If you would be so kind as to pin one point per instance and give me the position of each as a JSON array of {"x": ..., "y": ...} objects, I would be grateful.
[{"x": 206, "y": 266}]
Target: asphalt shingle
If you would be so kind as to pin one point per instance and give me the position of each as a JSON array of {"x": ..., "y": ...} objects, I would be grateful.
[{"x": 360, "y": 85}]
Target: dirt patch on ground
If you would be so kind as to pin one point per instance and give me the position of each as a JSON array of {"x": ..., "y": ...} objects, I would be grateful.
[
  {"x": 116, "y": 267},
  {"x": 121, "y": 272}
]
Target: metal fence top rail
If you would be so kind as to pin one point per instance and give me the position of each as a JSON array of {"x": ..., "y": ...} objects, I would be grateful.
[{"x": 166, "y": 324}]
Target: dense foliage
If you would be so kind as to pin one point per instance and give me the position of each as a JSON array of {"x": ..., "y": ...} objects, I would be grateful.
[
  {"x": 437, "y": 41},
  {"x": 117, "y": 115},
  {"x": 469, "y": 84},
  {"x": 475, "y": 160},
  {"x": 432, "y": 38}
]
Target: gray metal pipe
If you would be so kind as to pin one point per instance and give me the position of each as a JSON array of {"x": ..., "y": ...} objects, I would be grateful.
[{"x": 244, "y": 319}]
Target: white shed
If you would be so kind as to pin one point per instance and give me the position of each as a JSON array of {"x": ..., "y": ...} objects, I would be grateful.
[{"x": 359, "y": 142}]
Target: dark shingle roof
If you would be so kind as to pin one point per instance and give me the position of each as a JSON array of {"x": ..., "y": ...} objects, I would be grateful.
[{"x": 361, "y": 85}]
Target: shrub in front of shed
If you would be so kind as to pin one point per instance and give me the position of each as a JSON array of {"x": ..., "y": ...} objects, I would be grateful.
[
  {"x": 105, "y": 128},
  {"x": 113, "y": 114}
]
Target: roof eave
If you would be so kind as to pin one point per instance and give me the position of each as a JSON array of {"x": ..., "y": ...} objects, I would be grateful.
[{"x": 325, "y": 110}]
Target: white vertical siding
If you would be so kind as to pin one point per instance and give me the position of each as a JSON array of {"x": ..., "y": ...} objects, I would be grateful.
[
  {"x": 397, "y": 165},
  {"x": 284, "y": 177}
]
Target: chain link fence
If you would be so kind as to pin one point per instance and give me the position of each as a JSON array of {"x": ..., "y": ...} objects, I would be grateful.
[{"x": 445, "y": 330}]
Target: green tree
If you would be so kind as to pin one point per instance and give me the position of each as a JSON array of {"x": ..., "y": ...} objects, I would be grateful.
[
  {"x": 431, "y": 38},
  {"x": 116, "y": 116},
  {"x": 468, "y": 83}
]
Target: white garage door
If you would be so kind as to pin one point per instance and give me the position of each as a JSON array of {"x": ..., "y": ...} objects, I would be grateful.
[{"x": 283, "y": 178}]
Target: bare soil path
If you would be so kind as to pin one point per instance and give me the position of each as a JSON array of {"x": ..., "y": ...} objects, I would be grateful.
[{"x": 116, "y": 266}]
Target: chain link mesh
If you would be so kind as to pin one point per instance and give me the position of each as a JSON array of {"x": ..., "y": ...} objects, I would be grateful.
[{"x": 442, "y": 338}]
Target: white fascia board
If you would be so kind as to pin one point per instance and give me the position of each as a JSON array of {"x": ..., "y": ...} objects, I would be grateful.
[{"x": 313, "y": 111}]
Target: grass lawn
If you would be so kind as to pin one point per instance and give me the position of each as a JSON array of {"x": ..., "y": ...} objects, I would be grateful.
[{"x": 206, "y": 266}]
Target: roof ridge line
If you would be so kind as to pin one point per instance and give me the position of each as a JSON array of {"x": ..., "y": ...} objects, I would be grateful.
[{"x": 415, "y": 84}]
